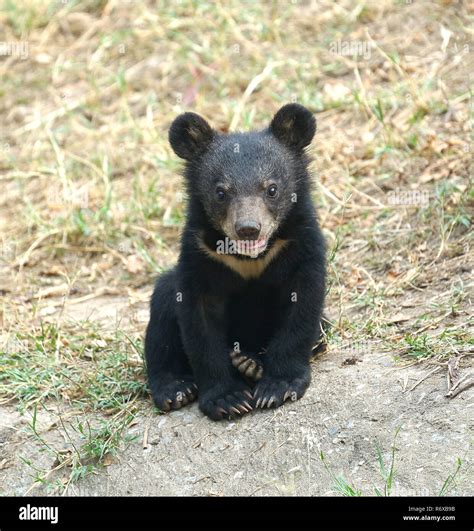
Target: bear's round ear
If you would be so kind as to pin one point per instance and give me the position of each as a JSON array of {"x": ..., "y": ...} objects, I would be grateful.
[
  {"x": 294, "y": 126},
  {"x": 189, "y": 135}
]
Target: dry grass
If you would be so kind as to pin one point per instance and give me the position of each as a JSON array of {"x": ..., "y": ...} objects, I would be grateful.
[{"x": 91, "y": 200}]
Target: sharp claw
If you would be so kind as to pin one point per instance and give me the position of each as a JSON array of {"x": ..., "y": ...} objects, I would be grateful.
[
  {"x": 248, "y": 394},
  {"x": 233, "y": 409},
  {"x": 236, "y": 359},
  {"x": 242, "y": 408},
  {"x": 184, "y": 401},
  {"x": 264, "y": 401},
  {"x": 247, "y": 405},
  {"x": 258, "y": 403},
  {"x": 245, "y": 365},
  {"x": 167, "y": 404},
  {"x": 271, "y": 401},
  {"x": 287, "y": 395},
  {"x": 222, "y": 411},
  {"x": 252, "y": 364}
]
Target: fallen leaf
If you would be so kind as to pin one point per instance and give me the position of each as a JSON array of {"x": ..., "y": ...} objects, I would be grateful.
[
  {"x": 52, "y": 291},
  {"x": 134, "y": 264},
  {"x": 4, "y": 463},
  {"x": 399, "y": 318},
  {"x": 336, "y": 91},
  {"x": 108, "y": 460},
  {"x": 54, "y": 271},
  {"x": 43, "y": 58},
  {"x": 392, "y": 275}
]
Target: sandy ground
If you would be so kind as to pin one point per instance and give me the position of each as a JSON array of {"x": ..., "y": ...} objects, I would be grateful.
[{"x": 356, "y": 402}]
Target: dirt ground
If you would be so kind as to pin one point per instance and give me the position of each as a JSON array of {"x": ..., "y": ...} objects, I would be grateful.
[
  {"x": 92, "y": 205},
  {"x": 347, "y": 411}
]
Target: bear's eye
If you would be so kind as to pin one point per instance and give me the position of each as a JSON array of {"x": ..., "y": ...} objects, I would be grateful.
[
  {"x": 272, "y": 190},
  {"x": 220, "y": 194}
]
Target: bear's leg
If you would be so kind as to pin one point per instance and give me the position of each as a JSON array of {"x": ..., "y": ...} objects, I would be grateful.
[
  {"x": 170, "y": 377},
  {"x": 223, "y": 393},
  {"x": 287, "y": 373}
]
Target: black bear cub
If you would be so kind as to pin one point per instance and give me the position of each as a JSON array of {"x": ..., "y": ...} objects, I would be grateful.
[{"x": 233, "y": 324}]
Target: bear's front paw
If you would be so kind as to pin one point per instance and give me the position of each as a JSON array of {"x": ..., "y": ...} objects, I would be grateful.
[
  {"x": 272, "y": 392},
  {"x": 174, "y": 393},
  {"x": 248, "y": 365},
  {"x": 226, "y": 402}
]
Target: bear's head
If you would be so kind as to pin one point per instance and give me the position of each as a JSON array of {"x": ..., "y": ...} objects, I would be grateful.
[{"x": 247, "y": 184}]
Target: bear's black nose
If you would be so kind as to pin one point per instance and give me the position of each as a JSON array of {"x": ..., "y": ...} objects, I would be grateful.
[{"x": 247, "y": 230}]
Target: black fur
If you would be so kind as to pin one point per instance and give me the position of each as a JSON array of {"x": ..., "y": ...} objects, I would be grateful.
[
  {"x": 203, "y": 310},
  {"x": 189, "y": 135}
]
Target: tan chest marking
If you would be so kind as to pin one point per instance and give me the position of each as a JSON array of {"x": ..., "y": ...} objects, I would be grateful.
[{"x": 251, "y": 268}]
